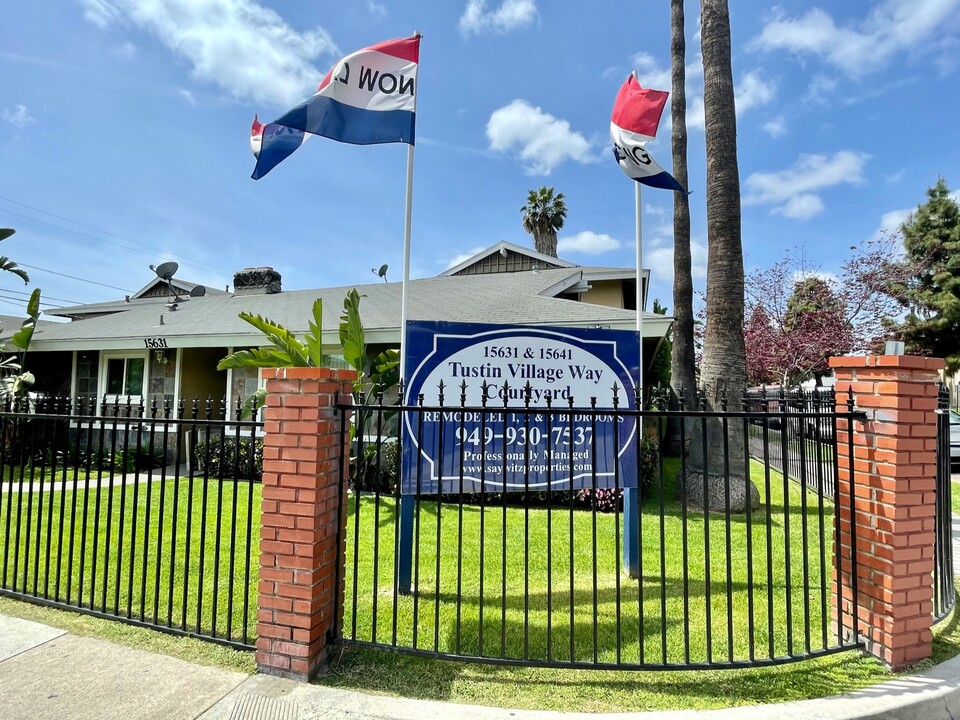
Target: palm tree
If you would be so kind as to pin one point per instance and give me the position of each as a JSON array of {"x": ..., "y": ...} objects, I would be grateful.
[
  {"x": 682, "y": 357},
  {"x": 543, "y": 216},
  {"x": 723, "y": 369}
]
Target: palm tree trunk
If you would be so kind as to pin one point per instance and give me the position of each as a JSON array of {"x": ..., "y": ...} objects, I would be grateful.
[
  {"x": 723, "y": 370},
  {"x": 682, "y": 360}
]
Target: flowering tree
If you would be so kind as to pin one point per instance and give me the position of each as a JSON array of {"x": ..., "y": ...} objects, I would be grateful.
[{"x": 799, "y": 317}]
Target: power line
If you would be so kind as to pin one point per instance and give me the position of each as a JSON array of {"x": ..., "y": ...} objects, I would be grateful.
[
  {"x": 48, "y": 297},
  {"x": 153, "y": 252},
  {"x": 22, "y": 303},
  {"x": 74, "y": 277}
]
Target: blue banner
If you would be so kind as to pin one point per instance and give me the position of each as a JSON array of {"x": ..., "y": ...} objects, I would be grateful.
[{"x": 522, "y": 408}]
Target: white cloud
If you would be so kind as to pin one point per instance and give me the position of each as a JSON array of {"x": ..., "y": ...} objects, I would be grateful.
[
  {"x": 18, "y": 117},
  {"x": 895, "y": 177},
  {"x": 916, "y": 27},
  {"x": 245, "y": 48},
  {"x": 820, "y": 89},
  {"x": 649, "y": 72},
  {"x": 890, "y": 223},
  {"x": 588, "y": 243},
  {"x": 462, "y": 257},
  {"x": 539, "y": 139},
  {"x": 659, "y": 260},
  {"x": 792, "y": 192},
  {"x": 378, "y": 11},
  {"x": 776, "y": 127},
  {"x": 188, "y": 96},
  {"x": 801, "y": 207},
  {"x": 125, "y": 51},
  {"x": 753, "y": 91},
  {"x": 750, "y": 92},
  {"x": 510, "y": 15}
]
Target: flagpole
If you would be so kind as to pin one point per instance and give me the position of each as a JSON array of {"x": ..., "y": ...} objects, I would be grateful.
[
  {"x": 404, "y": 577},
  {"x": 405, "y": 285}
]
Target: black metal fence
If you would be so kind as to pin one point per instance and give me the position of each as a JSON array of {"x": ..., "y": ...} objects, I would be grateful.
[
  {"x": 944, "y": 592},
  {"x": 143, "y": 513},
  {"x": 797, "y": 435},
  {"x": 508, "y": 538}
]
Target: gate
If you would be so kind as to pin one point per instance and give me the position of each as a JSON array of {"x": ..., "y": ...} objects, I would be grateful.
[
  {"x": 509, "y": 560},
  {"x": 137, "y": 513}
]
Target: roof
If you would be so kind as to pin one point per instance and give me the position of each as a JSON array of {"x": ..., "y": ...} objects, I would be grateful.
[
  {"x": 212, "y": 321},
  {"x": 145, "y": 295},
  {"x": 503, "y": 247},
  {"x": 9, "y": 324}
]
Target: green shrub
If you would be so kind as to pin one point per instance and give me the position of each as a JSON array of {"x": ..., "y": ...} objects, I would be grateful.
[{"x": 228, "y": 457}]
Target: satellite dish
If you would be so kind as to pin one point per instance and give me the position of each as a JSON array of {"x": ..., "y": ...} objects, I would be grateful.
[
  {"x": 6, "y": 232},
  {"x": 198, "y": 291},
  {"x": 503, "y": 252},
  {"x": 165, "y": 270},
  {"x": 381, "y": 273}
]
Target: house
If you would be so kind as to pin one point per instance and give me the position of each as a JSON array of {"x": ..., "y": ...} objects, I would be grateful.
[{"x": 164, "y": 342}]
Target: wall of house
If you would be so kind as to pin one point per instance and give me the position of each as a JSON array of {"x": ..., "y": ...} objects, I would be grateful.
[
  {"x": 52, "y": 371},
  {"x": 604, "y": 292},
  {"x": 199, "y": 376}
]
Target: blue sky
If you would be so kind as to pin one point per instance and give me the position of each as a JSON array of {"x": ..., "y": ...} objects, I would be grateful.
[{"x": 125, "y": 134}]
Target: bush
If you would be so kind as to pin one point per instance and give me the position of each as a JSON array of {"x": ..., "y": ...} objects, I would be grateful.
[{"x": 225, "y": 457}]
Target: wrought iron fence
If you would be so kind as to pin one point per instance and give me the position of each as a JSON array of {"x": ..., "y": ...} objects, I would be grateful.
[
  {"x": 797, "y": 438},
  {"x": 142, "y": 513},
  {"x": 944, "y": 591},
  {"x": 508, "y": 537}
]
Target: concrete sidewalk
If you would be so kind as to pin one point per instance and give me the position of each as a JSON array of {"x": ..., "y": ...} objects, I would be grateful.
[{"x": 48, "y": 673}]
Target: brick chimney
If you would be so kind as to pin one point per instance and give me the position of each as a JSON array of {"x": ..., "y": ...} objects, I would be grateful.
[{"x": 256, "y": 281}]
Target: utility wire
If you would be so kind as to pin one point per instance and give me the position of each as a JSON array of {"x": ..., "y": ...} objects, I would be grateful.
[
  {"x": 197, "y": 264},
  {"x": 48, "y": 297},
  {"x": 74, "y": 277}
]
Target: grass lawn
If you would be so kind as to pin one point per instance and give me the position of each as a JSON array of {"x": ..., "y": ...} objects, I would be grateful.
[
  {"x": 559, "y": 599},
  {"x": 160, "y": 552},
  {"x": 512, "y": 620}
]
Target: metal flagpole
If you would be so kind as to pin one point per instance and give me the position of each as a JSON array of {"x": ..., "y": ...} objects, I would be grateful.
[
  {"x": 407, "y": 502},
  {"x": 631, "y": 496}
]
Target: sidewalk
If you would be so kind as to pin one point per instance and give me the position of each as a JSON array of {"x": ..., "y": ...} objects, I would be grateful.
[{"x": 48, "y": 673}]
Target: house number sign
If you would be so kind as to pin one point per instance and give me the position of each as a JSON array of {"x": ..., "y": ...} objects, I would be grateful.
[{"x": 155, "y": 343}]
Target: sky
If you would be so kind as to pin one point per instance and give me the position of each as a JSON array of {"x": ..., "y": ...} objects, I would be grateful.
[{"x": 125, "y": 124}]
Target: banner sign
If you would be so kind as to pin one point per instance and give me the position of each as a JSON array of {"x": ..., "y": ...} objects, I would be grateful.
[{"x": 517, "y": 444}]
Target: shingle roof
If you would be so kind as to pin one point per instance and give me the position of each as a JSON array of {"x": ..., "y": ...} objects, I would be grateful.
[{"x": 513, "y": 298}]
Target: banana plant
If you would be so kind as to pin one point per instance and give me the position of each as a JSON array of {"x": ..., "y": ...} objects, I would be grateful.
[{"x": 15, "y": 380}]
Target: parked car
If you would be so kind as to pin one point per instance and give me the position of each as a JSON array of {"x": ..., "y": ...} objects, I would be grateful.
[{"x": 813, "y": 404}]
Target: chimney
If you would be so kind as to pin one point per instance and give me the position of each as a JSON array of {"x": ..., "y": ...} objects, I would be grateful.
[{"x": 256, "y": 281}]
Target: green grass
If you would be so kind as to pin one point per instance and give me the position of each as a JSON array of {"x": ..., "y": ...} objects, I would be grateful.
[
  {"x": 110, "y": 550},
  {"x": 437, "y": 605},
  {"x": 518, "y": 623}
]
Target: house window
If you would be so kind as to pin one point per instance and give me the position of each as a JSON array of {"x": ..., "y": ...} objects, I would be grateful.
[{"x": 124, "y": 374}]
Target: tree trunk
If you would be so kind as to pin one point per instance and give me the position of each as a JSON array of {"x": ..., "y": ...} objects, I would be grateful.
[
  {"x": 717, "y": 448},
  {"x": 682, "y": 360},
  {"x": 545, "y": 243}
]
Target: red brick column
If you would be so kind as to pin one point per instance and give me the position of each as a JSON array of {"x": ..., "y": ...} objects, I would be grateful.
[
  {"x": 894, "y": 489},
  {"x": 302, "y": 455}
]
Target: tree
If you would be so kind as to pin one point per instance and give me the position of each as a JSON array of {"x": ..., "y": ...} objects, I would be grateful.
[
  {"x": 931, "y": 238},
  {"x": 723, "y": 369},
  {"x": 682, "y": 359},
  {"x": 799, "y": 317},
  {"x": 543, "y": 216}
]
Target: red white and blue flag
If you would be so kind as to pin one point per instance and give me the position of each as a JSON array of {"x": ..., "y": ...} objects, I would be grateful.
[
  {"x": 635, "y": 119},
  {"x": 369, "y": 97}
]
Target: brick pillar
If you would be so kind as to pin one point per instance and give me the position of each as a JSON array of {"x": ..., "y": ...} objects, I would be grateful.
[
  {"x": 894, "y": 488},
  {"x": 302, "y": 455}
]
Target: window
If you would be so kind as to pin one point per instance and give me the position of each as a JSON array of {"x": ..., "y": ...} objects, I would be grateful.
[{"x": 124, "y": 375}]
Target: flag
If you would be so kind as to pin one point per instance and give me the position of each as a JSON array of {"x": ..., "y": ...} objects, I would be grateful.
[
  {"x": 369, "y": 97},
  {"x": 634, "y": 122},
  {"x": 272, "y": 144}
]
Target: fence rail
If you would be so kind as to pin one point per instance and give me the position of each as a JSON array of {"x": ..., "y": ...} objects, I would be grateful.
[
  {"x": 533, "y": 569},
  {"x": 146, "y": 514}
]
